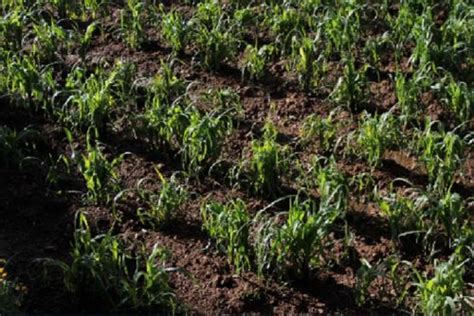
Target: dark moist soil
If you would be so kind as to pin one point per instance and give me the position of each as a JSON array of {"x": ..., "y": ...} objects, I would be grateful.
[{"x": 37, "y": 222}]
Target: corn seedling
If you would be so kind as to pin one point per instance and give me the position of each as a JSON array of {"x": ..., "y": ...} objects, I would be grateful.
[
  {"x": 167, "y": 114},
  {"x": 445, "y": 292},
  {"x": 175, "y": 30},
  {"x": 101, "y": 268},
  {"x": 450, "y": 213},
  {"x": 64, "y": 8},
  {"x": 267, "y": 163},
  {"x": 12, "y": 29},
  {"x": 291, "y": 250},
  {"x": 86, "y": 39},
  {"x": 307, "y": 63},
  {"x": 166, "y": 86},
  {"x": 403, "y": 24},
  {"x": 131, "y": 25},
  {"x": 377, "y": 134},
  {"x": 48, "y": 37},
  {"x": 164, "y": 125},
  {"x": 14, "y": 145},
  {"x": 90, "y": 105},
  {"x": 388, "y": 269},
  {"x": 160, "y": 207},
  {"x": 94, "y": 8},
  {"x": 407, "y": 97},
  {"x": 245, "y": 17},
  {"x": 284, "y": 23},
  {"x": 228, "y": 225},
  {"x": 342, "y": 28},
  {"x": 323, "y": 129},
  {"x": 364, "y": 182},
  {"x": 216, "y": 44},
  {"x": 374, "y": 47},
  {"x": 255, "y": 61},
  {"x": 92, "y": 98},
  {"x": 224, "y": 101},
  {"x": 97, "y": 170},
  {"x": 366, "y": 274},
  {"x": 28, "y": 83},
  {"x": 404, "y": 214},
  {"x": 441, "y": 153},
  {"x": 351, "y": 89},
  {"x": 202, "y": 140},
  {"x": 213, "y": 34},
  {"x": 422, "y": 31},
  {"x": 208, "y": 13},
  {"x": 460, "y": 99},
  {"x": 457, "y": 34},
  {"x": 332, "y": 187}
]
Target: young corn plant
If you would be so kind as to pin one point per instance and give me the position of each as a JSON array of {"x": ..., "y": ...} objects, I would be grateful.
[
  {"x": 164, "y": 125},
  {"x": 351, "y": 89},
  {"x": 28, "y": 83},
  {"x": 166, "y": 86},
  {"x": 131, "y": 23},
  {"x": 85, "y": 39},
  {"x": 389, "y": 269},
  {"x": 48, "y": 37},
  {"x": 229, "y": 225},
  {"x": 332, "y": 186},
  {"x": 284, "y": 23},
  {"x": 167, "y": 113},
  {"x": 322, "y": 129},
  {"x": 377, "y": 134},
  {"x": 92, "y": 98},
  {"x": 422, "y": 33},
  {"x": 202, "y": 140},
  {"x": 214, "y": 36},
  {"x": 366, "y": 274},
  {"x": 14, "y": 145},
  {"x": 456, "y": 34},
  {"x": 374, "y": 47},
  {"x": 97, "y": 170},
  {"x": 90, "y": 105},
  {"x": 245, "y": 16},
  {"x": 160, "y": 208},
  {"x": 307, "y": 63},
  {"x": 267, "y": 163},
  {"x": 402, "y": 25},
  {"x": 208, "y": 13},
  {"x": 291, "y": 250},
  {"x": 404, "y": 214},
  {"x": 224, "y": 100},
  {"x": 445, "y": 293},
  {"x": 407, "y": 98},
  {"x": 103, "y": 270},
  {"x": 460, "y": 99},
  {"x": 364, "y": 185},
  {"x": 255, "y": 61},
  {"x": 342, "y": 28},
  {"x": 12, "y": 29},
  {"x": 216, "y": 45},
  {"x": 451, "y": 214},
  {"x": 64, "y": 8},
  {"x": 93, "y": 9},
  {"x": 441, "y": 154},
  {"x": 175, "y": 30}
]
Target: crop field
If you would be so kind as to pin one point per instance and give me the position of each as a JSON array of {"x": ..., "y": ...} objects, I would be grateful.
[{"x": 237, "y": 156}]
